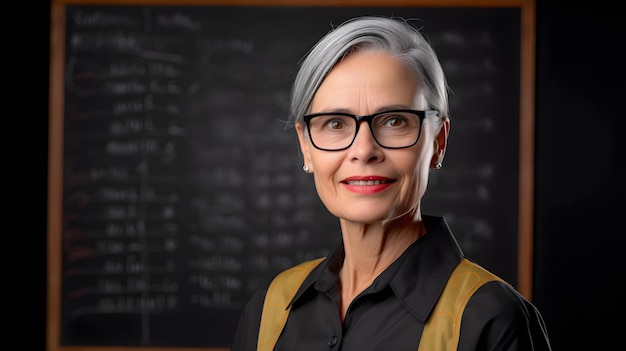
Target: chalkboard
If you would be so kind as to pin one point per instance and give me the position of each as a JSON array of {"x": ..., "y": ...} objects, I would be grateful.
[{"x": 176, "y": 192}]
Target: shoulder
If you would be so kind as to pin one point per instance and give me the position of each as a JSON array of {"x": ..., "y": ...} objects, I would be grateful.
[
  {"x": 497, "y": 314},
  {"x": 247, "y": 330},
  {"x": 500, "y": 299},
  {"x": 280, "y": 291},
  {"x": 493, "y": 297}
]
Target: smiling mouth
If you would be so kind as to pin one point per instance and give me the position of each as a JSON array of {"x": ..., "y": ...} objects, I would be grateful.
[{"x": 367, "y": 182}]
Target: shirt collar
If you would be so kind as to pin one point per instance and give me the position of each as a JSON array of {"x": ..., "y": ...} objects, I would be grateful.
[{"x": 417, "y": 277}]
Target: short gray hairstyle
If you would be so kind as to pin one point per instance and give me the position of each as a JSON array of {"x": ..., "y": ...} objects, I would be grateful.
[{"x": 391, "y": 36}]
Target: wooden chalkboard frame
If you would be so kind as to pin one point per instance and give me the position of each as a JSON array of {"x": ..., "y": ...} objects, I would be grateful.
[{"x": 56, "y": 115}]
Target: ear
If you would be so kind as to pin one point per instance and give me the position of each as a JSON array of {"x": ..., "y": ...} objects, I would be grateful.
[
  {"x": 441, "y": 142},
  {"x": 305, "y": 146}
]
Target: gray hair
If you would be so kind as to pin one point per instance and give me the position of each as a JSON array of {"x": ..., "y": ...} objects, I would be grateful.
[{"x": 390, "y": 36}]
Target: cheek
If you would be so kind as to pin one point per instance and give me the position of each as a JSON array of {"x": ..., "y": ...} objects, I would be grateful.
[
  {"x": 417, "y": 174},
  {"x": 325, "y": 166}
]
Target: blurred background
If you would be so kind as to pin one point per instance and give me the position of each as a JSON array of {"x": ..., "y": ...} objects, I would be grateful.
[{"x": 579, "y": 207}]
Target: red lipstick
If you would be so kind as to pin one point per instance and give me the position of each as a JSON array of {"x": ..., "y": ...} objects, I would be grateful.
[{"x": 367, "y": 184}]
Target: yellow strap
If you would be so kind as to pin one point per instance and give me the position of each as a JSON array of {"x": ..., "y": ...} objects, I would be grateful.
[
  {"x": 279, "y": 294},
  {"x": 442, "y": 328}
]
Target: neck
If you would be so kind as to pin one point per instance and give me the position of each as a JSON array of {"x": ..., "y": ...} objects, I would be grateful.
[{"x": 371, "y": 248}]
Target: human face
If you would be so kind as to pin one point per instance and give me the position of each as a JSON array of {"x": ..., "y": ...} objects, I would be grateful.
[{"x": 367, "y": 183}]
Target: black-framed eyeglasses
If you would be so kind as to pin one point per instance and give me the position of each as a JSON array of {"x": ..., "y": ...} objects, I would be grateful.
[{"x": 392, "y": 129}]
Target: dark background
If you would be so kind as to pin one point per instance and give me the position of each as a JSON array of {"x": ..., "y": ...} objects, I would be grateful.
[{"x": 579, "y": 177}]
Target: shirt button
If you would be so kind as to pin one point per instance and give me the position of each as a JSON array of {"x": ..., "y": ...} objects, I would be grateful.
[{"x": 333, "y": 341}]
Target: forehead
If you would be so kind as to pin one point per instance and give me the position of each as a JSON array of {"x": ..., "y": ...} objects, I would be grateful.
[{"x": 367, "y": 82}]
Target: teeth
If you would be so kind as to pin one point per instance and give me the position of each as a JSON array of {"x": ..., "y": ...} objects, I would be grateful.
[{"x": 365, "y": 182}]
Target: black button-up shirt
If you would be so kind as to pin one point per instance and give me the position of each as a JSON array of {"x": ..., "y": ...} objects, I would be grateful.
[{"x": 390, "y": 314}]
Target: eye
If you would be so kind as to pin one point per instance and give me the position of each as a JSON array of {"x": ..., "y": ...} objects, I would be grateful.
[
  {"x": 335, "y": 124},
  {"x": 392, "y": 120}
]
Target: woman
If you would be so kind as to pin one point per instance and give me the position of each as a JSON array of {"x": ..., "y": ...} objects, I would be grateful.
[{"x": 370, "y": 109}]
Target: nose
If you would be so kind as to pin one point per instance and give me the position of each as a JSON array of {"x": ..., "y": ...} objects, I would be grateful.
[{"x": 365, "y": 148}]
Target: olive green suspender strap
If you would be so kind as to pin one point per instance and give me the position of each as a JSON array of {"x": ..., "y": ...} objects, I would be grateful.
[
  {"x": 279, "y": 294},
  {"x": 442, "y": 328}
]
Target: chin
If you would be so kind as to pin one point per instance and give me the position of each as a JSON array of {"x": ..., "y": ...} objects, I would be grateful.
[{"x": 366, "y": 217}]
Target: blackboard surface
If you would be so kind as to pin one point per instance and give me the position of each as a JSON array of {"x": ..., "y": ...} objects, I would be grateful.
[{"x": 181, "y": 191}]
